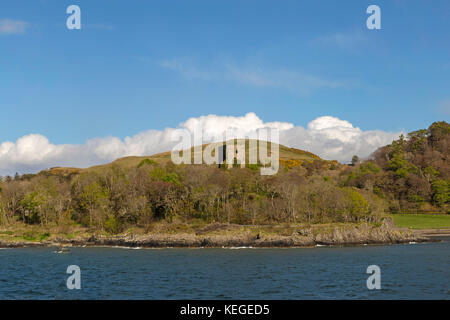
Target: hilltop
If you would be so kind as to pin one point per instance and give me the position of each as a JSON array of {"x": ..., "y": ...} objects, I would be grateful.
[{"x": 288, "y": 157}]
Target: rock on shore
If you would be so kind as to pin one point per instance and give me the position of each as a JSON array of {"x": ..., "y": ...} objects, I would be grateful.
[{"x": 337, "y": 235}]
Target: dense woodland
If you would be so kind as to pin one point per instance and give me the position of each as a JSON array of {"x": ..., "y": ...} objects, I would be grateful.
[{"x": 410, "y": 175}]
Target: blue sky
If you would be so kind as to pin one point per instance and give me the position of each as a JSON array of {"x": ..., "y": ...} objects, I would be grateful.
[{"x": 139, "y": 65}]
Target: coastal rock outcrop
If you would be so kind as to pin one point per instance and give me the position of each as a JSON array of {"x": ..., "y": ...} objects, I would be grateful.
[{"x": 345, "y": 234}]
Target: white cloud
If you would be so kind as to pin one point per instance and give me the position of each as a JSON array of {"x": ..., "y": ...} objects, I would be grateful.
[
  {"x": 295, "y": 81},
  {"x": 328, "y": 137},
  {"x": 214, "y": 126},
  {"x": 8, "y": 26},
  {"x": 332, "y": 138}
]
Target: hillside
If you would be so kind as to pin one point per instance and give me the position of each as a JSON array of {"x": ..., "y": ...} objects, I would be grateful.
[
  {"x": 288, "y": 157},
  {"x": 412, "y": 174}
]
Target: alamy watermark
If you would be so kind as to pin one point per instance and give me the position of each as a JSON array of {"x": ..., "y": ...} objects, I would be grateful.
[
  {"x": 374, "y": 20},
  {"x": 232, "y": 147},
  {"x": 74, "y": 20},
  {"x": 73, "y": 281},
  {"x": 374, "y": 281}
]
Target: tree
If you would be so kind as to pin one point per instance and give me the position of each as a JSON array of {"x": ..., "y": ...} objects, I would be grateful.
[
  {"x": 441, "y": 192},
  {"x": 30, "y": 207},
  {"x": 93, "y": 198}
]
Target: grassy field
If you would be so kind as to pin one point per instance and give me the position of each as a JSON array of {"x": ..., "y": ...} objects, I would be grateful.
[{"x": 422, "y": 221}]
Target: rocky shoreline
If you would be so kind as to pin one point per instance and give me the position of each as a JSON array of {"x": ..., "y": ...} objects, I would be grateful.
[{"x": 338, "y": 236}]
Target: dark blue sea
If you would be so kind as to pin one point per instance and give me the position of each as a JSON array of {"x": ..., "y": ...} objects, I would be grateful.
[{"x": 410, "y": 271}]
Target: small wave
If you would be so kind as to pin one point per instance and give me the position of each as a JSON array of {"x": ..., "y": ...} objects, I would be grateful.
[
  {"x": 236, "y": 248},
  {"x": 320, "y": 245},
  {"x": 125, "y": 247},
  {"x": 412, "y": 242}
]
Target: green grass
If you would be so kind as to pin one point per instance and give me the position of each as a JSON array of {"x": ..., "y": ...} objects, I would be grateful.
[
  {"x": 35, "y": 236},
  {"x": 422, "y": 221}
]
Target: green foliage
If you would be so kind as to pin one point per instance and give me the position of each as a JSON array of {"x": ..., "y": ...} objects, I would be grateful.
[
  {"x": 159, "y": 174},
  {"x": 441, "y": 192},
  {"x": 29, "y": 236},
  {"x": 111, "y": 225},
  {"x": 93, "y": 195},
  {"x": 431, "y": 172},
  {"x": 253, "y": 167},
  {"x": 415, "y": 198},
  {"x": 377, "y": 190},
  {"x": 30, "y": 208},
  {"x": 359, "y": 207},
  {"x": 366, "y": 171},
  {"x": 414, "y": 170},
  {"x": 172, "y": 177},
  {"x": 401, "y": 167},
  {"x": 147, "y": 162},
  {"x": 369, "y": 167},
  {"x": 44, "y": 236},
  {"x": 35, "y": 236}
]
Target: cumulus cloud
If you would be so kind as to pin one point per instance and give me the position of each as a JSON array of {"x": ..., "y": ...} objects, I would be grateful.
[
  {"x": 332, "y": 138},
  {"x": 329, "y": 137},
  {"x": 34, "y": 152},
  {"x": 8, "y": 26}
]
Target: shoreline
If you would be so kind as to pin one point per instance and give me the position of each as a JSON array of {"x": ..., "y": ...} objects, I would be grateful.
[
  {"x": 357, "y": 236},
  {"x": 19, "y": 245}
]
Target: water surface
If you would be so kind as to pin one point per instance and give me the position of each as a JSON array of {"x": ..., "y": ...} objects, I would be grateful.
[{"x": 414, "y": 271}]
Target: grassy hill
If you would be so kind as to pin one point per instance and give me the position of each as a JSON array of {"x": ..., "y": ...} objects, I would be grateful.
[{"x": 288, "y": 157}]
